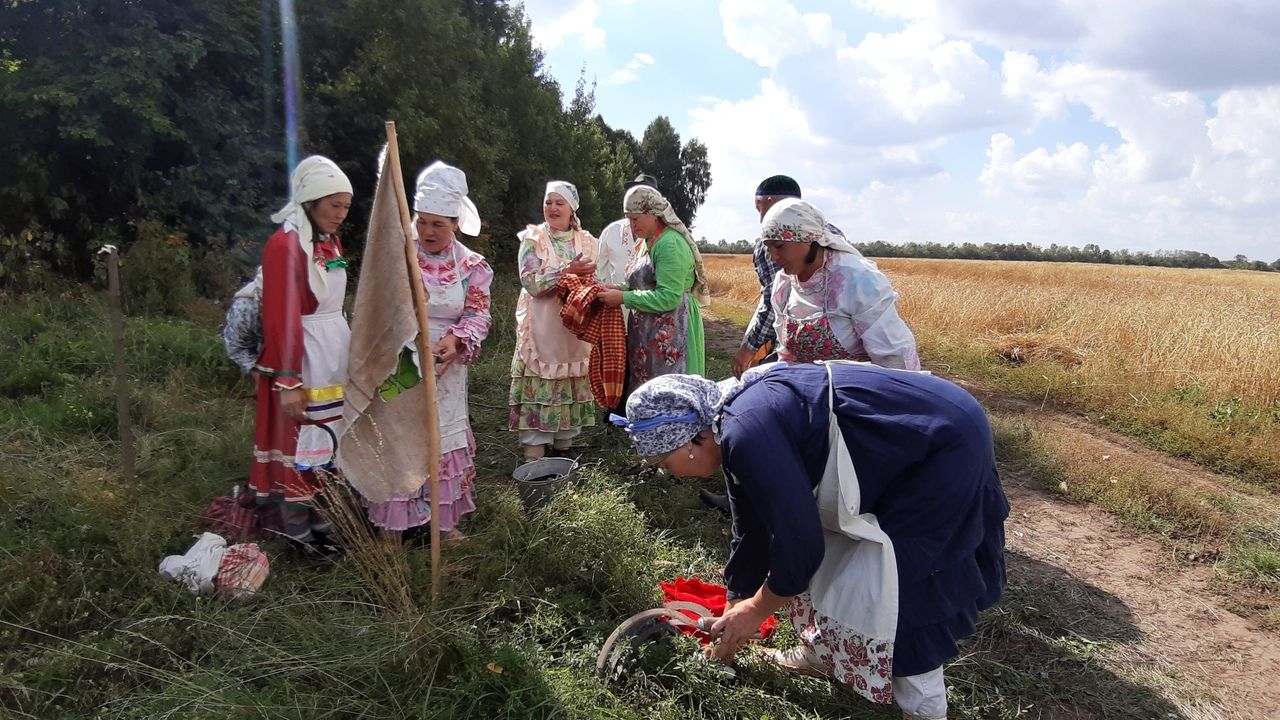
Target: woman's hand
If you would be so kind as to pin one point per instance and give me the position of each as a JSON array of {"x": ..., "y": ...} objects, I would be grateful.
[
  {"x": 578, "y": 266},
  {"x": 294, "y": 403},
  {"x": 611, "y": 297},
  {"x": 446, "y": 351},
  {"x": 740, "y": 621}
]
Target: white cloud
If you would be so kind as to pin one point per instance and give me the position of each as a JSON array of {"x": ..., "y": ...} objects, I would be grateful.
[
  {"x": 1039, "y": 172},
  {"x": 766, "y": 31},
  {"x": 630, "y": 72},
  {"x": 980, "y": 121},
  {"x": 1177, "y": 44},
  {"x": 554, "y": 21}
]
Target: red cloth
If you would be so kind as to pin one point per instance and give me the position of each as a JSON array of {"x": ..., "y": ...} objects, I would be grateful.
[
  {"x": 711, "y": 597},
  {"x": 286, "y": 297},
  {"x": 593, "y": 322}
]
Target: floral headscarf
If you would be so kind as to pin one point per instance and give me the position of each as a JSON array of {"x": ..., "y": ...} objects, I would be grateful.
[
  {"x": 794, "y": 220},
  {"x": 669, "y": 410},
  {"x": 644, "y": 200}
]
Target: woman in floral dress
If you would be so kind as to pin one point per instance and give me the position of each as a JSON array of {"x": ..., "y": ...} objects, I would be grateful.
[
  {"x": 666, "y": 288},
  {"x": 457, "y": 282},
  {"x": 866, "y": 502},
  {"x": 550, "y": 398},
  {"x": 831, "y": 302}
]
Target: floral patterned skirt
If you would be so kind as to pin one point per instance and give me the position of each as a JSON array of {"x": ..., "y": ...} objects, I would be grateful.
[
  {"x": 862, "y": 663},
  {"x": 549, "y": 405},
  {"x": 457, "y": 473}
]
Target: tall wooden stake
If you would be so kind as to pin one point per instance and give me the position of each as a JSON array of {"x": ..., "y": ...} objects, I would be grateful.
[
  {"x": 127, "y": 453},
  {"x": 425, "y": 359}
]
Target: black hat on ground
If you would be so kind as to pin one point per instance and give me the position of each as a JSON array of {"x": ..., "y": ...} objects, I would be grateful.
[{"x": 779, "y": 186}]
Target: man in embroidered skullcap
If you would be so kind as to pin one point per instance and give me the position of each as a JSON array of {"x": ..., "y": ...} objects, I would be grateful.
[
  {"x": 759, "y": 337},
  {"x": 865, "y": 501},
  {"x": 303, "y": 364}
]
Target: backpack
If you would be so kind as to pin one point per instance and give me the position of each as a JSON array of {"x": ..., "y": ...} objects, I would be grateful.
[{"x": 242, "y": 331}]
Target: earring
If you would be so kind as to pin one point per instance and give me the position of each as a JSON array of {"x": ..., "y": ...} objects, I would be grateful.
[{"x": 690, "y": 453}]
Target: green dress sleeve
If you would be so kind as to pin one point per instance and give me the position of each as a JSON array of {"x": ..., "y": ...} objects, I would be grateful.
[{"x": 673, "y": 265}]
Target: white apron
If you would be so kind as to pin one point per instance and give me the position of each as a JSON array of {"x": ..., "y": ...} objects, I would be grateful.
[
  {"x": 326, "y": 341},
  {"x": 849, "y": 617},
  {"x": 444, "y": 309}
]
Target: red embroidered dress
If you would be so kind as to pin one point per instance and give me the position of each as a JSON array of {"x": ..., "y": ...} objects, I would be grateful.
[{"x": 305, "y": 345}]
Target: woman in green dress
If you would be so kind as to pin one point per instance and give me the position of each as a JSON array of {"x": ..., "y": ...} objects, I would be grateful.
[{"x": 666, "y": 289}]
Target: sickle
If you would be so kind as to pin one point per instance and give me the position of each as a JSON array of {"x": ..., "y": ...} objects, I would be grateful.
[{"x": 644, "y": 626}]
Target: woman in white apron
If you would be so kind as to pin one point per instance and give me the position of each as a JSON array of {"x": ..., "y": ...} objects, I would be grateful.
[
  {"x": 457, "y": 282},
  {"x": 550, "y": 397},
  {"x": 865, "y": 501},
  {"x": 303, "y": 364}
]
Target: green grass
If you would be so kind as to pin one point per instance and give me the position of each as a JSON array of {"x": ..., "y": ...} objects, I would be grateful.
[{"x": 89, "y": 629}]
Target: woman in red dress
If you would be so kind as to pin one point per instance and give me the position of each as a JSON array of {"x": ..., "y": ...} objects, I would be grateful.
[{"x": 303, "y": 364}]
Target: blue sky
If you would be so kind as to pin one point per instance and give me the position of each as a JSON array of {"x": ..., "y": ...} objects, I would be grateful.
[{"x": 1148, "y": 125}]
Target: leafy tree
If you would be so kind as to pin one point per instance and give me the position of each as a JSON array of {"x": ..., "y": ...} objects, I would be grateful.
[
  {"x": 660, "y": 156},
  {"x": 683, "y": 173},
  {"x": 695, "y": 178},
  {"x": 121, "y": 110}
]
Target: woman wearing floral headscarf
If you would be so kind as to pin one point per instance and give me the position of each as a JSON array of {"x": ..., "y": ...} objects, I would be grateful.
[
  {"x": 457, "y": 282},
  {"x": 865, "y": 501},
  {"x": 551, "y": 398},
  {"x": 667, "y": 286},
  {"x": 303, "y": 363},
  {"x": 831, "y": 302}
]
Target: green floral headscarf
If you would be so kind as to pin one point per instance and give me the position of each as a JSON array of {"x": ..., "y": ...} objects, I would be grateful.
[{"x": 644, "y": 200}]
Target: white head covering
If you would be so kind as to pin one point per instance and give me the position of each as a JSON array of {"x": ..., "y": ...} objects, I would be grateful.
[
  {"x": 795, "y": 220},
  {"x": 442, "y": 190},
  {"x": 565, "y": 190},
  {"x": 644, "y": 200},
  {"x": 315, "y": 177}
]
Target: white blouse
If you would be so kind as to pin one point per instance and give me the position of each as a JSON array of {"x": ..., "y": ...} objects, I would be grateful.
[{"x": 860, "y": 304}]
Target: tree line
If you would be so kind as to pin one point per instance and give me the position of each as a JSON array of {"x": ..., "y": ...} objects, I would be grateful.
[
  {"x": 130, "y": 120},
  {"x": 1090, "y": 253}
]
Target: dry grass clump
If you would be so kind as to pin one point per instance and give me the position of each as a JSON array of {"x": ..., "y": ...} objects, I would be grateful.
[
  {"x": 377, "y": 558},
  {"x": 1020, "y": 348}
]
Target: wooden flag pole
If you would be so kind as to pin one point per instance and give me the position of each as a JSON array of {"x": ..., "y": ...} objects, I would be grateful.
[{"x": 425, "y": 359}]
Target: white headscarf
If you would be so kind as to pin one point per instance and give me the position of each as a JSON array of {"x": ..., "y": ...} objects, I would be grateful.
[
  {"x": 565, "y": 190},
  {"x": 441, "y": 189},
  {"x": 315, "y": 177},
  {"x": 794, "y": 220},
  {"x": 644, "y": 200}
]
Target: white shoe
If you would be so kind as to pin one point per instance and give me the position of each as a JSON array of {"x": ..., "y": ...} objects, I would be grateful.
[{"x": 799, "y": 659}]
